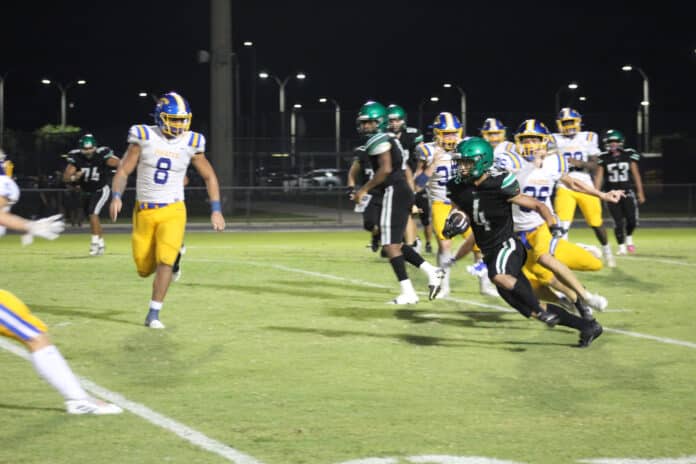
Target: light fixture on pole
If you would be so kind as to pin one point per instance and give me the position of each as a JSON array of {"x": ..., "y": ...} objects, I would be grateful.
[
  {"x": 571, "y": 86},
  {"x": 420, "y": 109},
  {"x": 337, "y": 120},
  {"x": 281, "y": 86},
  {"x": 63, "y": 96},
  {"x": 645, "y": 105},
  {"x": 148, "y": 94},
  {"x": 462, "y": 103}
]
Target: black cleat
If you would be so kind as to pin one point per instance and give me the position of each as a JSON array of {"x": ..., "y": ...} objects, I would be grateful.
[
  {"x": 374, "y": 244},
  {"x": 584, "y": 311},
  {"x": 435, "y": 282},
  {"x": 428, "y": 247},
  {"x": 590, "y": 334},
  {"x": 548, "y": 318}
]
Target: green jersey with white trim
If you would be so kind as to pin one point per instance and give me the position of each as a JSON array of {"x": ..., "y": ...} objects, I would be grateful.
[
  {"x": 381, "y": 143},
  {"x": 487, "y": 206}
]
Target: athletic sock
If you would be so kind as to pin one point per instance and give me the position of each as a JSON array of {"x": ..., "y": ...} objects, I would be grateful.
[
  {"x": 51, "y": 365},
  {"x": 567, "y": 319},
  {"x": 398, "y": 264},
  {"x": 411, "y": 256}
]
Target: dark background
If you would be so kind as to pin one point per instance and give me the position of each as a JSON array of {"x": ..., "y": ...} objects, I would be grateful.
[{"x": 510, "y": 58}]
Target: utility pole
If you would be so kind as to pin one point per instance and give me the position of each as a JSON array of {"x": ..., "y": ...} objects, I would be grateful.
[{"x": 221, "y": 95}]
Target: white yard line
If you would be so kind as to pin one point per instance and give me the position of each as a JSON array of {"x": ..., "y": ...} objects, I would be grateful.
[
  {"x": 187, "y": 433},
  {"x": 669, "y": 341},
  {"x": 658, "y": 260}
]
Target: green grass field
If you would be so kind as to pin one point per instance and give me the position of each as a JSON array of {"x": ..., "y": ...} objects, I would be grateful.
[{"x": 280, "y": 349}]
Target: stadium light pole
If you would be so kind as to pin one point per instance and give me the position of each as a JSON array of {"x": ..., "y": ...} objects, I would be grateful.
[
  {"x": 337, "y": 120},
  {"x": 63, "y": 96},
  {"x": 462, "y": 103},
  {"x": 148, "y": 94},
  {"x": 281, "y": 94},
  {"x": 252, "y": 128},
  {"x": 645, "y": 104},
  {"x": 571, "y": 86},
  {"x": 293, "y": 131},
  {"x": 420, "y": 109}
]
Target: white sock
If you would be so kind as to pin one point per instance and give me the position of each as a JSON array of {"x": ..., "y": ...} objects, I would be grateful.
[
  {"x": 427, "y": 268},
  {"x": 566, "y": 227},
  {"x": 95, "y": 239},
  {"x": 101, "y": 242},
  {"x": 443, "y": 258},
  {"x": 629, "y": 240},
  {"x": 156, "y": 305},
  {"x": 51, "y": 365},
  {"x": 606, "y": 249},
  {"x": 407, "y": 287}
]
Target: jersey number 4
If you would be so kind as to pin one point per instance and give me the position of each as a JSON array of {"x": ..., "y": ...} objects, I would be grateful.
[{"x": 480, "y": 216}]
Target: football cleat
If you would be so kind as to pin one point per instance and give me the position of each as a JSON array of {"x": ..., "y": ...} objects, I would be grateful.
[
  {"x": 428, "y": 247},
  {"x": 621, "y": 251},
  {"x": 589, "y": 334},
  {"x": 91, "y": 406},
  {"x": 611, "y": 261},
  {"x": 374, "y": 243},
  {"x": 404, "y": 299},
  {"x": 94, "y": 249},
  {"x": 631, "y": 249},
  {"x": 548, "y": 318},
  {"x": 596, "y": 301},
  {"x": 435, "y": 282},
  {"x": 417, "y": 245},
  {"x": 154, "y": 324}
]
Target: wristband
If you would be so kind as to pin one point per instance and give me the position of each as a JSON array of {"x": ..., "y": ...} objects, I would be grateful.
[
  {"x": 215, "y": 206},
  {"x": 116, "y": 195}
]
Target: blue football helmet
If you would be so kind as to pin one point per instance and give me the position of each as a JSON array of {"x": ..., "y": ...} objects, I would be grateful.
[
  {"x": 445, "y": 124},
  {"x": 173, "y": 114},
  {"x": 531, "y": 137},
  {"x": 569, "y": 121},
  {"x": 493, "y": 131}
]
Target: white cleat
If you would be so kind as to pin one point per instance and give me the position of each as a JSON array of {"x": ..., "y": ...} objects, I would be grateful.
[
  {"x": 91, "y": 406},
  {"x": 594, "y": 250},
  {"x": 486, "y": 287},
  {"x": 94, "y": 249},
  {"x": 621, "y": 251},
  {"x": 596, "y": 301},
  {"x": 154, "y": 324},
  {"x": 435, "y": 282},
  {"x": 404, "y": 299},
  {"x": 609, "y": 258},
  {"x": 443, "y": 293}
]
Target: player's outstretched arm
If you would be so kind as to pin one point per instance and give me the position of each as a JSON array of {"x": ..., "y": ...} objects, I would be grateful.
[
  {"x": 204, "y": 168},
  {"x": 48, "y": 228},
  {"x": 125, "y": 167}
]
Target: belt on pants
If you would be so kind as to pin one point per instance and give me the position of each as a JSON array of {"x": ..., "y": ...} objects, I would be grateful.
[{"x": 149, "y": 205}]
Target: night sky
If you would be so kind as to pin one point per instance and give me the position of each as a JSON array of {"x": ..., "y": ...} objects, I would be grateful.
[{"x": 509, "y": 58}]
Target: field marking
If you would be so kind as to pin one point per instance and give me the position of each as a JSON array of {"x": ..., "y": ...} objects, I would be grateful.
[
  {"x": 280, "y": 267},
  {"x": 187, "y": 433},
  {"x": 431, "y": 459},
  {"x": 665, "y": 261}
]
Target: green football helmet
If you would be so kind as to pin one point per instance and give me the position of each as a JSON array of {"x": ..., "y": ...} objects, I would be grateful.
[
  {"x": 612, "y": 135},
  {"x": 474, "y": 157},
  {"x": 87, "y": 142},
  {"x": 372, "y": 111},
  {"x": 397, "y": 118}
]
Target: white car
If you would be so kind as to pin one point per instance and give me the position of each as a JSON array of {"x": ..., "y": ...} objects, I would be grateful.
[{"x": 328, "y": 178}]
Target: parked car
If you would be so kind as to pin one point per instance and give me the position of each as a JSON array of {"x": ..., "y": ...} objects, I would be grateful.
[
  {"x": 328, "y": 178},
  {"x": 275, "y": 178}
]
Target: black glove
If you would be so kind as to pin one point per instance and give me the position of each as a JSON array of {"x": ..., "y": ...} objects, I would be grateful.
[
  {"x": 455, "y": 224},
  {"x": 350, "y": 191},
  {"x": 556, "y": 230}
]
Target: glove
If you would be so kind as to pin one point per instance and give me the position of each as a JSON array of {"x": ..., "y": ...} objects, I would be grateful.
[
  {"x": 556, "y": 230},
  {"x": 48, "y": 228},
  {"x": 455, "y": 224},
  {"x": 351, "y": 192}
]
